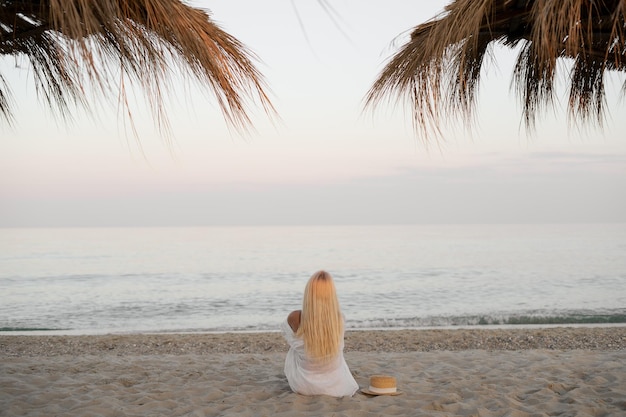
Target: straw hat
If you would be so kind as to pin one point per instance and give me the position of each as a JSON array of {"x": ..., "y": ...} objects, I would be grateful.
[{"x": 382, "y": 385}]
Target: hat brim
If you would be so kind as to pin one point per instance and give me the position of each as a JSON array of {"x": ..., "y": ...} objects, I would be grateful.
[{"x": 368, "y": 392}]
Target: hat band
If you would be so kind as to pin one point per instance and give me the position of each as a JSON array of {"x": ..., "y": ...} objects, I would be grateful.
[{"x": 382, "y": 390}]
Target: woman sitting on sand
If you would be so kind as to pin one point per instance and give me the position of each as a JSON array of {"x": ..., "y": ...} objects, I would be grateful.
[{"x": 315, "y": 364}]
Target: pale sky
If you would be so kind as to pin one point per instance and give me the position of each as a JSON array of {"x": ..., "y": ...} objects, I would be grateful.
[{"x": 326, "y": 161}]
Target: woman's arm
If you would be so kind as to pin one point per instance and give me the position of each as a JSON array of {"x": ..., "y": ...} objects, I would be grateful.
[{"x": 294, "y": 320}]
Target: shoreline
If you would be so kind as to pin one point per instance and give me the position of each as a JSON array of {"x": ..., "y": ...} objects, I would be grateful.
[{"x": 610, "y": 338}]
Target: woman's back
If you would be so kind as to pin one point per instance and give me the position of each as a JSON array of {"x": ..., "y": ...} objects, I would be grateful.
[{"x": 309, "y": 376}]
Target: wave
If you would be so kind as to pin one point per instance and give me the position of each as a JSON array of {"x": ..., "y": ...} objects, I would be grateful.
[
  {"x": 525, "y": 319},
  {"x": 30, "y": 329},
  {"x": 480, "y": 320}
]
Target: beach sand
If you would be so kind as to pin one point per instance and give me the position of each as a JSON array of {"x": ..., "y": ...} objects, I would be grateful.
[{"x": 464, "y": 372}]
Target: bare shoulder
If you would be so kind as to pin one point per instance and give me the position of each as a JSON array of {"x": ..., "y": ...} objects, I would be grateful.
[{"x": 294, "y": 320}]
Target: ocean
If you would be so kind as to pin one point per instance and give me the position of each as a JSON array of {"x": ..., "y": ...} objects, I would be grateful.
[{"x": 242, "y": 279}]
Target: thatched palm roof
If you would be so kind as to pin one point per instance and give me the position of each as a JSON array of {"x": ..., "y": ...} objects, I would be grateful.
[
  {"x": 439, "y": 68},
  {"x": 81, "y": 47}
]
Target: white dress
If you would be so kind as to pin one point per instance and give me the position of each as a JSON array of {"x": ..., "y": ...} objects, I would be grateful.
[{"x": 308, "y": 378}]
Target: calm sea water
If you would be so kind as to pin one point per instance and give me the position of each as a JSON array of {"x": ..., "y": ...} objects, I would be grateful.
[{"x": 101, "y": 280}]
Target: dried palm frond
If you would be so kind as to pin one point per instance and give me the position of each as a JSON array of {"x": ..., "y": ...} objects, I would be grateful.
[
  {"x": 439, "y": 68},
  {"x": 76, "y": 46}
]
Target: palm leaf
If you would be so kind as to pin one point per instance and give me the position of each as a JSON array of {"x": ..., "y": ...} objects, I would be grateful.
[
  {"x": 438, "y": 70},
  {"x": 76, "y": 46}
]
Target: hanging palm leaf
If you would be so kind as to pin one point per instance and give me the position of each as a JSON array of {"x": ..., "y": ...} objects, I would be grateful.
[
  {"x": 438, "y": 70},
  {"x": 79, "y": 46}
]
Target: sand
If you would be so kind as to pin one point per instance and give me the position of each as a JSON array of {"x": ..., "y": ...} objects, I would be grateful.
[{"x": 522, "y": 372}]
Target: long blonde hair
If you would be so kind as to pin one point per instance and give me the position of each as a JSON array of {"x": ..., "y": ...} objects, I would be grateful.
[{"x": 321, "y": 324}]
